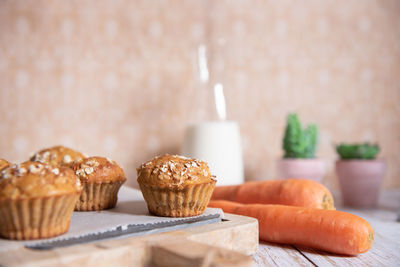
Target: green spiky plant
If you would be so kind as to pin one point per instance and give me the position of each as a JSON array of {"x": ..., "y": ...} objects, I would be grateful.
[
  {"x": 299, "y": 142},
  {"x": 357, "y": 151}
]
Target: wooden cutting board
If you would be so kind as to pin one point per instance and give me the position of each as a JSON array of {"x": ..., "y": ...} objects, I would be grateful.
[{"x": 226, "y": 243}]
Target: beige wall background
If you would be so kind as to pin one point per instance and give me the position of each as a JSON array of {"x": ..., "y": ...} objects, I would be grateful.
[{"x": 119, "y": 78}]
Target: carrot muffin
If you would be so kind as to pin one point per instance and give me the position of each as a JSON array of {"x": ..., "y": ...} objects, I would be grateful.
[
  {"x": 57, "y": 155},
  {"x": 101, "y": 179},
  {"x": 4, "y": 163},
  {"x": 36, "y": 200},
  {"x": 176, "y": 186}
]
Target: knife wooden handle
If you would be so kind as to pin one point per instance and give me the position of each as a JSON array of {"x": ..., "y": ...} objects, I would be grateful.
[{"x": 190, "y": 253}]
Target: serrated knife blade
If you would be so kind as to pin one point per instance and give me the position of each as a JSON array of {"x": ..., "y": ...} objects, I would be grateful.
[{"x": 130, "y": 230}]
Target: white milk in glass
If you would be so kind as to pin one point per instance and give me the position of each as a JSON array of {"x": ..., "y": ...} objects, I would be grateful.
[{"x": 217, "y": 143}]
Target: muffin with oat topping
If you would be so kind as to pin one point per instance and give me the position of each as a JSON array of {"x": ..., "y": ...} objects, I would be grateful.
[
  {"x": 4, "y": 163},
  {"x": 57, "y": 155},
  {"x": 101, "y": 179},
  {"x": 176, "y": 186},
  {"x": 36, "y": 200}
]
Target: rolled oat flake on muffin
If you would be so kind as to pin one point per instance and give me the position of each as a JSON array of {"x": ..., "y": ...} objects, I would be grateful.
[
  {"x": 57, "y": 155},
  {"x": 4, "y": 163}
]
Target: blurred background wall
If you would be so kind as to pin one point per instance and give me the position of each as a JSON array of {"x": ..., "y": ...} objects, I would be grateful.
[{"x": 119, "y": 78}]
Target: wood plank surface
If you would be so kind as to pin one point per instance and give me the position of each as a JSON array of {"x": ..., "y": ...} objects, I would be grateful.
[
  {"x": 269, "y": 254},
  {"x": 136, "y": 251},
  {"x": 240, "y": 228}
]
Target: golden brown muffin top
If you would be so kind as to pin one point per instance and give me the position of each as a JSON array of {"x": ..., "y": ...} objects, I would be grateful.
[
  {"x": 4, "y": 163},
  {"x": 57, "y": 155},
  {"x": 98, "y": 170},
  {"x": 174, "y": 171},
  {"x": 37, "y": 179}
]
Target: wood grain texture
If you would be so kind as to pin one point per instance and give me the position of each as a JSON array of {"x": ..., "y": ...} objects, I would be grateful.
[
  {"x": 188, "y": 253},
  {"x": 137, "y": 251},
  {"x": 240, "y": 227},
  {"x": 269, "y": 254}
]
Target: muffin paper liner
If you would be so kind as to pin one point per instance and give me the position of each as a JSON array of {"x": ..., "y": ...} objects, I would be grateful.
[
  {"x": 191, "y": 200},
  {"x": 36, "y": 218},
  {"x": 98, "y": 196}
]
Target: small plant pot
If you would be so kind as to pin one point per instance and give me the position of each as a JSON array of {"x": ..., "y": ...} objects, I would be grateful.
[
  {"x": 312, "y": 169},
  {"x": 360, "y": 181}
]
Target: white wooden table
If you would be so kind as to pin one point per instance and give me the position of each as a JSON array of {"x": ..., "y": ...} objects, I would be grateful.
[{"x": 384, "y": 252}]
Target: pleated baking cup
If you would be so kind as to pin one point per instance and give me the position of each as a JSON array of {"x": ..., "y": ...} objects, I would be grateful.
[
  {"x": 191, "y": 200},
  {"x": 35, "y": 218},
  {"x": 98, "y": 196}
]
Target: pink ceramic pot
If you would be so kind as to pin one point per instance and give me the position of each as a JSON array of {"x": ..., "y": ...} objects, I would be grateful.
[
  {"x": 313, "y": 169},
  {"x": 360, "y": 181}
]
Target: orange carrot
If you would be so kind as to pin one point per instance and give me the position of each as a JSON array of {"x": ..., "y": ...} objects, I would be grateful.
[
  {"x": 292, "y": 192},
  {"x": 329, "y": 230}
]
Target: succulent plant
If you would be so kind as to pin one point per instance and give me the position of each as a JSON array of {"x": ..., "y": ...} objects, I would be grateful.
[
  {"x": 357, "y": 151},
  {"x": 299, "y": 142}
]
